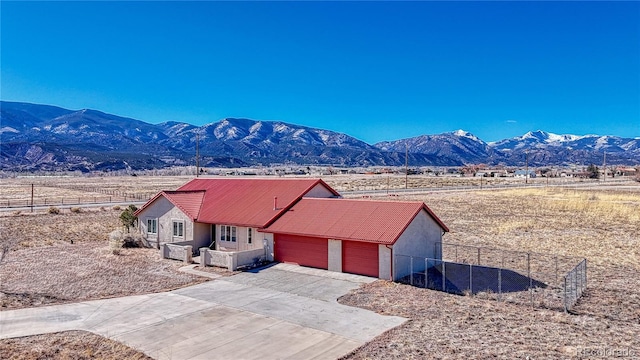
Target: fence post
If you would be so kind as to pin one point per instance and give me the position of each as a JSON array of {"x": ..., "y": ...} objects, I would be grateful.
[
  {"x": 585, "y": 273},
  {"x": 566, "y": 308},
  {"x": 471, "y": 279},
  {"x": 530, "y": 279},
  {"x": 499, "y": 284},
  {"x": 411, "y": 270},
  {"x": 478, "y": 255},
  {"x": 444, "y": 276},
  {"x": 575, "y": 282}
]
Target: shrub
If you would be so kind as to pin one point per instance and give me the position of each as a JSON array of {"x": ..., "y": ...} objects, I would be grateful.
[
  {"x": 76, "y": 210},
  {"x": 116, "y": 208},
  {"x": 53, "y": 210},
  {"x": 17, "y": 212},
  {"x": 127, "y": 217},
  {"x": 102, "y": 208}
]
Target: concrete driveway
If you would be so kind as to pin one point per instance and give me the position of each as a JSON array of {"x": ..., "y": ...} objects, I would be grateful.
[{"x": 280, "y": 312}]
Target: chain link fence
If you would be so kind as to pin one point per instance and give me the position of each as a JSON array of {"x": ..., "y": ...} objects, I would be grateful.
[{"x": 539, "y": 280}]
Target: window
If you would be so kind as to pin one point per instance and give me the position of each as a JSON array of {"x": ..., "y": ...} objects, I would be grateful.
[
  {"x": 178, "y": 228},
  {"x": 249, "y": 236},
  {"x": 228, "y": 233},
  {"x": 152, "y": 226}
]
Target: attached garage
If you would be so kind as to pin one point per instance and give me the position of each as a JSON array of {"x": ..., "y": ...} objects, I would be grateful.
[
  {"x": 301, "y": 250},
  {"x": 360, "y": 258},
  {"x": 362, "y": 237}
]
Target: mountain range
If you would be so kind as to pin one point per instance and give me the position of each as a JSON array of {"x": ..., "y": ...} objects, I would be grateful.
[{"x": 43, "y": 137}]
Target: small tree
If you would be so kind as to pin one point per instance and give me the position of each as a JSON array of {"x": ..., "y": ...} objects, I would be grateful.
[
  {"x": 594, "y": 172},
  {"x": 128, "y": 218}
]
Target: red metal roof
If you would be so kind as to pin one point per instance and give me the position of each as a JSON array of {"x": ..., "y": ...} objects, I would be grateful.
[
  {"x": 360, "y": 220},
  {"x": 187, "y": 201},
  {"x": 248, "y": 202}
]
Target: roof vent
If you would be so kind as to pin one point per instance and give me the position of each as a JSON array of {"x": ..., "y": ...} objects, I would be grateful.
[{"x": 275, "y": 203}]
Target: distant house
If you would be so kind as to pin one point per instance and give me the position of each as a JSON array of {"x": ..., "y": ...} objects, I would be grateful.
[
  {"x": 302, "y": 221},
  {"x": 524, "y": 173}
]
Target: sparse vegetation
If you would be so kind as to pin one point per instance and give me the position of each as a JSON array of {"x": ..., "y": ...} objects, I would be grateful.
[
  {"x": 53, "y": 210},
  {"x": 40, "y": 258},
  {"x": 67, "y": 345},
  {"x": 76, "y": 210},
  {"x": 600, "y": 225}
]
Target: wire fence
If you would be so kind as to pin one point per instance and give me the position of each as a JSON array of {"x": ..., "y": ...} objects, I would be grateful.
[
  {"x": 100, "y": 196},
  {"x": 539, "y": 280}
]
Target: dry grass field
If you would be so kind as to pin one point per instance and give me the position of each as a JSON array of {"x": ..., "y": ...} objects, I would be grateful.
[
  {"x": 77, "y": 345},
  {"x": 602, "y": 226},
  {"x": 72, "y": 249}
]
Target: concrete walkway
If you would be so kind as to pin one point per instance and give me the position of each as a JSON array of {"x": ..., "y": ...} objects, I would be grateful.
[{"x": 280, "y": 312}]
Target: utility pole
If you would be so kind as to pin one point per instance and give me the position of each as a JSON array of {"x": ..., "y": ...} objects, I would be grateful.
[
  {"x": 526, "y": 171},
  {"x": 197, "y": 154},
  {"x": 604, "y": 167},
  {"x": 406, "y": 165},
  {"x": 31, "y": 197}
]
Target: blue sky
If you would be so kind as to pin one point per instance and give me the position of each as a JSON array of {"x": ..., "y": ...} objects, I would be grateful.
[{"x": 374, "y": 70}]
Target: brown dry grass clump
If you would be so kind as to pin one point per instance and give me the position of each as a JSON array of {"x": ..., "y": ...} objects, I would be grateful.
[{"x": 67, "y": 345}]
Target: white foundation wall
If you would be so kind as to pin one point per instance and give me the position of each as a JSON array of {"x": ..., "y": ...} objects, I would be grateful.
[
  {"x": 419, "y": 240},
  {"x": 165, "y": 213}
]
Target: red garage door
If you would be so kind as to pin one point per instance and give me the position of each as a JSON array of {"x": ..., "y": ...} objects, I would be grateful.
[
  {"x": 360, "y": 258},
  {"x": 301, "y": 250}
]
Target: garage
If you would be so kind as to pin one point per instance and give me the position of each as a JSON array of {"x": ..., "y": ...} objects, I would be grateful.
[
  {"x": 301, "y": 250},
  {"x": 360, "y": 258}
]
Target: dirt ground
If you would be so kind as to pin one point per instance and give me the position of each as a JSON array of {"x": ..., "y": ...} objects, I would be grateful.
[
  {"x": 72, "y": 249},
  {"x": 77, "y": 345},
  {"x": 601, "y": 226}
]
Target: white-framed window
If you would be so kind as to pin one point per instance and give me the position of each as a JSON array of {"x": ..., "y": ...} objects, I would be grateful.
[
  {"x": 249, "y": 236},
  {"x": 152, "y": 226},
  {"x": 228, "y": 233},
  {"x": 178, "y": 228}
]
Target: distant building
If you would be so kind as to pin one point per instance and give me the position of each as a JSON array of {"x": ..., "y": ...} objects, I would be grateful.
[{"x": 525, "y": 174}]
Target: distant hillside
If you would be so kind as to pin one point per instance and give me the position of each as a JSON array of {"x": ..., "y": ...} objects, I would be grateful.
[{"x": 42, "y": 137}]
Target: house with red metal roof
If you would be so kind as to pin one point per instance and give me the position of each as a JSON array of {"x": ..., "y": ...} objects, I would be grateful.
[
  {"x": 301, "y": 221},
  {"x": 223, "y": 214}
]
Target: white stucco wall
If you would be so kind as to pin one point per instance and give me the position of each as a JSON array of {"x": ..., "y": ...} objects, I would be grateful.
[
  {"x": 267, "y": 240},
  {"x": 241, "y": 243},
  {"x": 165, "y": 212},
  {"x": 418, "y": 240},
  {"x": 335, "y": 255},
  {"x": 384, "y": 262},
  {"x": 201, "y": 235},
  {"x": 319, "y": 191}
]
